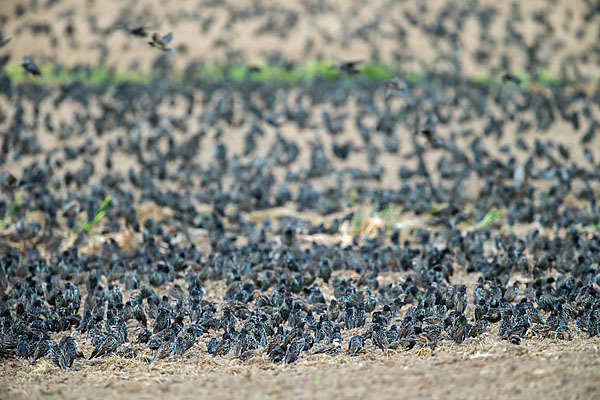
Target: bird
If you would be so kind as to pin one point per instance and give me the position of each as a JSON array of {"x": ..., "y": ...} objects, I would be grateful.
[
  {"x": 166, "y": 348},
  {"x": 349, "y": 67},
  {"x": 430, "y": 126},
  {"x": 161, "y": 42},
  {"x": 4, "y": 42},
  {"x": 355, "y": 344},
  {"x": 512, "y": 292},
  {"x": 139, "y": 31},
  {"x": 380, "y": 338},
  {"x": 224, "y": 346},
  {"x": 105, "y": 345},
  {"x": 70, "y": 350},
  {"x": 211, "y": 346},
  {"x": 395, "y": 87},
  {"x": 56, "y": 355},
  {"x": 294, "y": 350},
  {"x": 30, "y": 66},
  {"x": 510, "y": 77}
]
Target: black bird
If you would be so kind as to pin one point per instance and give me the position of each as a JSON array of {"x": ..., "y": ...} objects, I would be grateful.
[
  {"x": 139, "y": 31},
  {"x": 224, "y": 346},
  {"x": 70, "y": 350},
  {"x": 294, "y": 350},
  {"x": 510, "y": 77},
  {"x": 430, "y": 126},
  {"x": 4, "y": 42},
  {"x": 355, "y": 344},
  {"x": 349, "y": 67},
  {"x": 166, "y": 348},
  {"x": 105, "y": 345},
  {"x": 30, "y": 66}
]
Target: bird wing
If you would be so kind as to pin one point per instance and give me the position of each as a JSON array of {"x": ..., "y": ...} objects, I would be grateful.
[{"x": 167, "y": 38}]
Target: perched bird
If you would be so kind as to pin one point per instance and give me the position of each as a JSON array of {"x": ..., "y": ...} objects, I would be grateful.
[
  {"x": 70, "y": 350},
  {"x": 224, "y": 346},
  {"x": 379, "y": 338},
  {"x": 166, "y": 348},
  {"x": 161, "y": 42},
  {"x": 429, "y": 127},
  {"x": 512, "y": 292},
  {"x": 355, "y": 344},
  {"x": 395, "y": 87},
  {"x": 30, "y": 66},
  {"x": 294, "y": 350},
  {"x": 563, "y": 332},
  {"x": 277, "y": 354},
  {"x": 56, "y": 355},
  {"x": 105, "y": 345},
  {"x": 23, "y": 349},
  {"x": 40, "y": 350},
  {"x": 144, "y": 335},
  {"x": 211, "y": 346}
]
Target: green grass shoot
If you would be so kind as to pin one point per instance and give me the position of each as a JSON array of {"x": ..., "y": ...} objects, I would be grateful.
[
  {"x": 11, "y": 210},
  {"x": 488, "y": 218},
  {"x": 98, "y": 216}
]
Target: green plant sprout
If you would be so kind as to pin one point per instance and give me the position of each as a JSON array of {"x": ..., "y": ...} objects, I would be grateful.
[
  {"x": 11, "y": 210},
  {"x": 98, "y": 216}
]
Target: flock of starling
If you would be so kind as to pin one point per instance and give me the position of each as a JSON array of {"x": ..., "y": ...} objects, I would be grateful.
[{"x": 457, "y": 150}]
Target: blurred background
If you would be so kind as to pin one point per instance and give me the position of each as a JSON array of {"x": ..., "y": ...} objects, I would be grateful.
[{"x": 475, "y": 38}]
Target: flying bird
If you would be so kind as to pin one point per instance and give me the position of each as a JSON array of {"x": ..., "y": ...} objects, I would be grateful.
[
  {"x": 161, "y": 42},
  {"x": 349, "y": 67}
]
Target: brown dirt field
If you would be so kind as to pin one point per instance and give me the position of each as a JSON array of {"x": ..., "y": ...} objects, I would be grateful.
[{"x": 482, "y": 368}]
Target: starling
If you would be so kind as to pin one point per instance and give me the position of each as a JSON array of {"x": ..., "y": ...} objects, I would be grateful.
[
  {"x": 509, "y": 77},
  {"x": 40, "y": 350},
  {"x": 4, "y": 42},
  {"x": 166, "y": 348},
  {"x": 395, "y": 87},
  {"x": 333, "y": 311},
  {"x": 211, "y": 346},
  {"x": 30, "y": 66},
  {"x": 139, "y": 31},
  {"x": 161, "y": 42},
  {"x": 277, "y": 354},
  {"x": 430, "y": 126},
  {"x": 56, "y": 355},
  {"x": 162, "y": 322},
  {"x": 294, "y": 350},
  {"x": 512, "y": 292},
  {"x": 332, "y": 349},
  {"x": 104, "y": 346},
  {"x": 355, "y": 344},
  {"x": 70, "y": 350},
  {"x": 144, "y": 335},
  {"x": 563, "y": 332},
  {"x": 380, "y": 338},
  {"x": 224, "y": 346},
  {"x": 349, "y": 67},
  {"x": 23, "y": 349}
]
